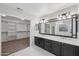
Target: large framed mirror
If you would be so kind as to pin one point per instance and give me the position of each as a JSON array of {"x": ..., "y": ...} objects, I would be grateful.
[{"x": 64, "y": 27}]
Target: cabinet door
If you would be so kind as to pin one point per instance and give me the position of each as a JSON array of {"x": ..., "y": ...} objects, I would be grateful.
[
  {"x": 68, "y": 50},
  {"x": 36, "y": 41},
  {"x": 48, "y": 44},
  {"x": 56, "y": 48},
  {"x": 41, "y": 42},
  {"x": 76, "y": 50}
]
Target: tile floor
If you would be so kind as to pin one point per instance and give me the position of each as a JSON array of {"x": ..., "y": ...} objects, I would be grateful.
[{"x": 32, "y": 51}]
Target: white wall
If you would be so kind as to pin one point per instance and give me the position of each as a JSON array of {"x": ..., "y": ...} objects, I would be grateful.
[
  {"x": 72, "y": 9},
  {"x": 0, "y": 34},
  {"x": 32, "y": 31}
]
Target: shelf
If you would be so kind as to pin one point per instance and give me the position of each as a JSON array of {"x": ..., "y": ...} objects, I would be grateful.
[
  {"x": 4, "y": 32},
  {"x": 22, "y": 31},
  {"x": 12, "y": 29}
]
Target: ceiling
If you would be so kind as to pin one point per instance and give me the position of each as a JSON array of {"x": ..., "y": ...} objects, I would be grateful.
[{"x": 38, "y": 9}]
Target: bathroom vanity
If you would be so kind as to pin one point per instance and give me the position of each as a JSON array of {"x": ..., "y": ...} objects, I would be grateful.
[
  {"x": 58, "y": 32},
  {"x": 57, "y": 47}
]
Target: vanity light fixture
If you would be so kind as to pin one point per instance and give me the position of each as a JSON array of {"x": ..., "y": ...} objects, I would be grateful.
[
  {"x": 64, "y": 16},
  {"x": 42, "y": 21},
  {"x": 45, "y": 20},
  {"x": 68, "y": 15},
  {"x": 59, "y": 17}
]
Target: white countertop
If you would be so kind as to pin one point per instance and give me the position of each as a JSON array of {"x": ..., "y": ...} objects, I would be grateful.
[{"x": 61, "y": 39}]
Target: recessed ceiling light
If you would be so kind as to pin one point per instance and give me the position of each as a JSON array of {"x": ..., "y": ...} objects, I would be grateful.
[{"x": 4, "y": 15}]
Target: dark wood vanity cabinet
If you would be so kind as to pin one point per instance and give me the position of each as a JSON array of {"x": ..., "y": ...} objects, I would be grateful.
[
  {"x": 39, "y": 42},
  {"x": 57, "y": 48},
  {"x": 36, "y": 41},
  {"x": 77, "y": 50},
  {"x": 68, "y": 50},
  {"x": 48, "y": 45},
  {"x": 42, "y": 44}
]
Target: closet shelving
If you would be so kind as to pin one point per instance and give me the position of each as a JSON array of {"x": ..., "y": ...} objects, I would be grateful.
[
  {"x": 4, "y": 31},
  {"x": 12, "y": 30}
]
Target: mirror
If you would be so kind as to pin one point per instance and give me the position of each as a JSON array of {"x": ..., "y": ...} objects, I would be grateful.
[
  {"x": 64, "y": 27},
  {"x": 78, "y": 26},
  {"x": 47, "y": 28}
]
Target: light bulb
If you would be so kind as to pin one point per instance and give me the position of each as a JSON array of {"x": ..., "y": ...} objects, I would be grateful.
[
  {"x": 68, "y": 15},
  {"x": 23, "y": 19},
  {"x": 59, "y": 17}
]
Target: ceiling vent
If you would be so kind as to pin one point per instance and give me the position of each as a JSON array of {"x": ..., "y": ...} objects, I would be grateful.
[{"x": 19, "y": 9}]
